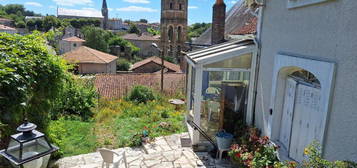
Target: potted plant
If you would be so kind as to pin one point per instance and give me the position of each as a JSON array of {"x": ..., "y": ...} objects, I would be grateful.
[{"x": 145, "y": 135}]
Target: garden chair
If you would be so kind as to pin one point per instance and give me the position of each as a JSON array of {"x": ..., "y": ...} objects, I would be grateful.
[{"x": 111, "y": 157}]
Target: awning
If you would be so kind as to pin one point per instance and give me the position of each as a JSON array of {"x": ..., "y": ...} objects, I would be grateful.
[{"x": 221, "y": 52}]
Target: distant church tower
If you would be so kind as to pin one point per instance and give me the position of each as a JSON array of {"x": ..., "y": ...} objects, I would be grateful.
[
  {"x": 105, "y": 14},
  {"x": 173, "y": 27}
]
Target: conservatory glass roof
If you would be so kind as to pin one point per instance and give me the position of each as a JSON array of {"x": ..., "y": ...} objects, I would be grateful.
[{"x": 221, "y": 52}]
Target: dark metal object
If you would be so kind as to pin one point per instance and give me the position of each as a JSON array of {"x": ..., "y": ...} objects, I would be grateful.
[
  {"x": 154, "y": 45},
  {"x": 27, "y": 139},
  {"x": 199, "y": 129}
]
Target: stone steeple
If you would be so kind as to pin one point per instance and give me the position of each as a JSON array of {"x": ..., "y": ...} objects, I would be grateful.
[
  {"x": 105, "y": 14},
  {"x": 173, "y": 27},
  {"x": 218, "y": 22}
]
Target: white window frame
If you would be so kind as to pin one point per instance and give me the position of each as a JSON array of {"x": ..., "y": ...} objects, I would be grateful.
[{"x": 301, "y": 3}]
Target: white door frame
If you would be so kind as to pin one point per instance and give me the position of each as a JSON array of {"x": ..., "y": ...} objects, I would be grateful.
[{"x": 284, "y": 66}]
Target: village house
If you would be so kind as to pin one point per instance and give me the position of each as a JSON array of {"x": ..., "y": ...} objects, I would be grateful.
[
  {"x": 293, "y": 80},
  {"x": 144, "y": 42},
  {"x": 7, "y": 29},
  {"x": 70, "y": 43},
  {"x": 154, "y": 65},
  {"x": 91, "y": 61},
  {"x": 63, "y": 13},
  {"x": 6, "y": 22},
  {"x": 305, "y": 88}
]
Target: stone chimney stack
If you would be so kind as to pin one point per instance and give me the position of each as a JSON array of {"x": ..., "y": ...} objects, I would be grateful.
[{"x": 218, "y": 22}]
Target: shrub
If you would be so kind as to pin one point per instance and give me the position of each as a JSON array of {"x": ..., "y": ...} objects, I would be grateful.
[
  {"x": 315, "y": 160},
  {"x": 257, "y": 152},
  {"x": 123, "y": 64},
  {"x": 141, "y": 94},
  {"x": 30, "y": 80},
  {"x": 78, "y": 97}
]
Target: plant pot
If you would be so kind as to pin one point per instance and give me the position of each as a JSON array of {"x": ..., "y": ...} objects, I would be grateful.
[{"x": 145, "y": 139}]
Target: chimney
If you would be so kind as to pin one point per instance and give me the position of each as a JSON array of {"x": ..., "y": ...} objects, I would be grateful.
[{"x": 218, "y": 22}]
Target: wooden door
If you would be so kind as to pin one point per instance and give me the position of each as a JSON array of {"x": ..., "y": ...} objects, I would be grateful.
[
  {"x": 288, "y": 112},
  {"x": 307, "y": 120}
]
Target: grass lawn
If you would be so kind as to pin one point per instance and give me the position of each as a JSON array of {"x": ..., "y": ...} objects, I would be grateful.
[{"x": 117, "y": 123}]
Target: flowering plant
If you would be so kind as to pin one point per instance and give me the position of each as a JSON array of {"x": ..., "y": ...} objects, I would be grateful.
[{"x": 256, "y": 152}]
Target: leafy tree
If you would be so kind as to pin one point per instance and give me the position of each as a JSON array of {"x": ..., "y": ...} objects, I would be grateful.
[
  {"x": 134, "y": 29},
  {"x": 30, "y": 79},
  {"x": 31, "y": 24},
  {"x": 50, "y": 22},
  {"x": 123, "y": 64},
  {"x": 96, "y": 38},
  {"x": 152, "y": 31},
  {"x": 14, "y": 9},
  {"x": 76, "y": 99},
  {"x": 20, "y": 24},
  {"x": 197, "y": 29},
  {"x": 143, "y": 21},
  {"x": 38, "y": 24}
]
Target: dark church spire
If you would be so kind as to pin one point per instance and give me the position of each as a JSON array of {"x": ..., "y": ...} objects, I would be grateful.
[{"x": 105, "y": 14}]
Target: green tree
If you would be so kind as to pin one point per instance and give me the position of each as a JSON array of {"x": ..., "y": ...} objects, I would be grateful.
[
  {"x": 96, "y": 38},
  {"x": 20, "y": 24},
  {"x": 123, "y": 64},
  {"x": 14, "y": 9},
  {"x": 152, "y": 31},
  {"x": 50, "y": 22},
  {"x": 31, "y": 24},
  {"x": 143, "y": 21},
  {"x": 134, "y": 29},
  {"x": 30, "y": 80},
  {"x": 195, "y": 30}
]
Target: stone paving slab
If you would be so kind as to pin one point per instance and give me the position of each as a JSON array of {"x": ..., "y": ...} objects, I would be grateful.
[{"x": 164, "y": 152}]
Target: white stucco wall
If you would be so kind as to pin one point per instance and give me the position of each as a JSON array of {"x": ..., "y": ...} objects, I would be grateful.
[
  {"x": 325, "y": 31},
  {"x": 66, "y": 46}
]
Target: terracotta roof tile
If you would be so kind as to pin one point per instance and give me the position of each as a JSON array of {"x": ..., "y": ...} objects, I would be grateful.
[
  {"x": 114, "y": 86},
  {"x": 157, "y": 60},
  {"x": 142, "y": 37},
  {"x": 249, "y": 28},
  {"x": 4, "y": 19},
  {"x": 3, "y": 27},
  {"x": 87, "y": 55},
  {"x": 74, "y": 39}
]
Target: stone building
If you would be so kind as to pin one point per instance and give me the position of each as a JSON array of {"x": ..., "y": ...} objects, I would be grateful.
[
  {"x": 70, "y": 43},
  {"x": 7, "y": 22},
  {"x": 91, "y": 61},
  {"x": 153, "y": 65},
  {"x": 144, "y": 42},
  {"x": 173, "y": 27}
]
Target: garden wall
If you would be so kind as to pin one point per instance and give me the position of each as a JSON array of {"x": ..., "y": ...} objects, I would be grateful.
[{"x": 114, "y": 86}]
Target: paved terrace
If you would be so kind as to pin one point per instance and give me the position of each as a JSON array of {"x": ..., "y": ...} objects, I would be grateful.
[{"x": 165, "y": 152}]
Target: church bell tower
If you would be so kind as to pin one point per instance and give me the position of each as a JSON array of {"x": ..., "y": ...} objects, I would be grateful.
[{"x": 173, "y": 27}]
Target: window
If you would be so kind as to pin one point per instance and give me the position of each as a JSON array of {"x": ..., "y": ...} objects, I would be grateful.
[
  {"x": 75, "y": 45},
  {"x": 179, "y": 34},
  {"x": 301, "y": 3},
  {"x": 180, "y": 6},
  {"x": 171, "y": 6},
  {"x": 171, "y": 34}
]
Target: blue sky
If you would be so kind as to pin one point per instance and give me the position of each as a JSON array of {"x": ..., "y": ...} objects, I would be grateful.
[{"x": 199, "y": 10}]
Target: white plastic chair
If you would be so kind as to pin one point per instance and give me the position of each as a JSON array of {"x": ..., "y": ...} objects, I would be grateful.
[{"x": 111, "y": 157}]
